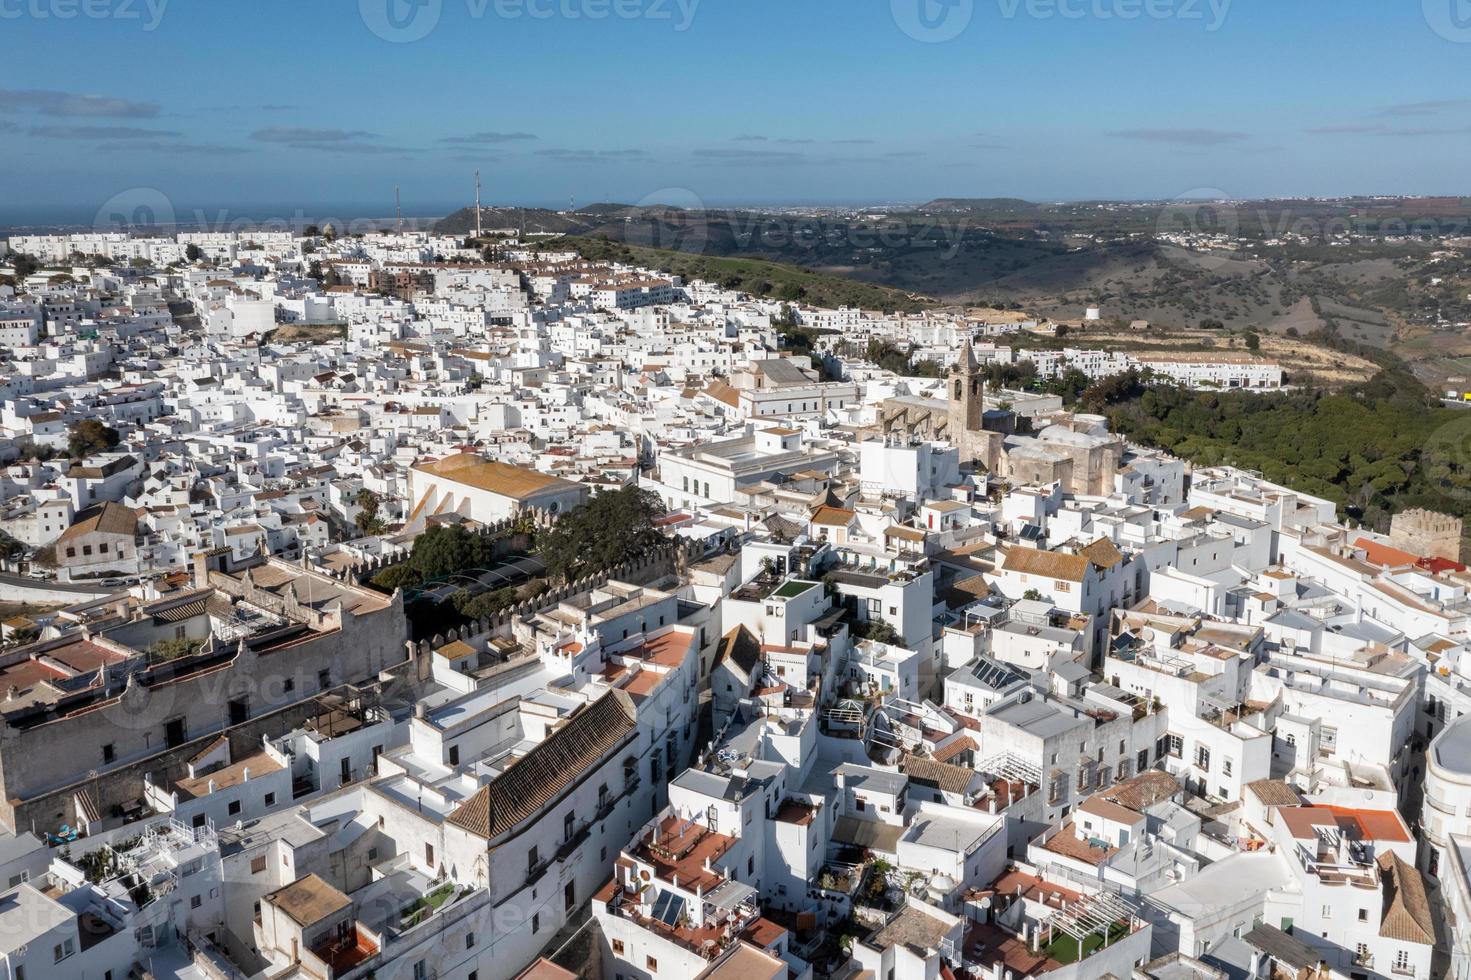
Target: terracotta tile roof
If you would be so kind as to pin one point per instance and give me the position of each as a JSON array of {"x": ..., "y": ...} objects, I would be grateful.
[
  {"x": 543, "y": 772},
  {"x": 1355, "y": 824},
  {"x": 308, "y": 900},
  {"x": 741, "y": 646},
  {"x": 1407, "y": 915},
  {"x": 936, "y": 775},
  {"x": 1047, "y": 564},
  {"x": 833, "y": 517},
  {"x": 105, "y": 518},
  {"x": 1103, "y": 553},
  {"x": 1140, "y": 792},
  {"x": 1274, "y": 792},
  {"x": 545, "y": 969},
  {"x": 724, "y": 393},
  {"x": 500, "y": 478}
]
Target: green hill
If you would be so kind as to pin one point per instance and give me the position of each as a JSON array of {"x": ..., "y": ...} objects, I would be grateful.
[{"x": 756, "y": 276}]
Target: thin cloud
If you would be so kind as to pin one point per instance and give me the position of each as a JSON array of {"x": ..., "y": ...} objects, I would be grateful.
[
  {"x": 358, "y": 142},
  {"x": 271, "y": 107},
  {"x": 487, "y": 138},
  {"x": 293, "y": 134},
  {"x": 857, "y": 142},
  {"x": 590, "y": 156},
  {"x": 169, "y": 147},
  {"x": 100, "y": 133},
  {"x": 1338, "y": 129},
  {"x": 733, "y": 155},
  {"x": 1428, "y": 108},
  {"x": 1182, "y": 137},
  {"x": 1381, "y": 129},
  {"x": 45, "y": 102},
  {"x": 792, "y": 142},
  {"x": 748, "y": 138}
]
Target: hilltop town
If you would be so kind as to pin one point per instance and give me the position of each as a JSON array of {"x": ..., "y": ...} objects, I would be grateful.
[{"x": 408, "y": 605}]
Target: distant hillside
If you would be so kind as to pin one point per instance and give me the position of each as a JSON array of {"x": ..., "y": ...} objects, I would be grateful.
[
  {"x": 533, "y": 220},
  {"x": 756, "y": 276},
  {"x": 1002, "y": 205}
]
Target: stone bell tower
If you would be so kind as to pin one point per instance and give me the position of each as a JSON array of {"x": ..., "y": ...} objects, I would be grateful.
[{"x": 967, "y": 397}]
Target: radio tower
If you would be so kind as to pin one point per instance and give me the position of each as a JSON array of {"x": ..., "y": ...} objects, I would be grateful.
[
  {"x": 398, "y": 209},
  {"x": 477, "y": 204}
]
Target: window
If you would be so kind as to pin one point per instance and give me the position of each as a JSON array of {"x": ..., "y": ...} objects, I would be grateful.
[
  {"x": 421, "y": 972},
  {"x": 532, "y": 859},
  {"x": 64, "y": 949},
  {"x": 324, "y": 678},
  {"x": 535, "y": 922},
  {"x": 1363, "y": 915},
  {"x": 1327, "y": 911},
  {"x": 234, "y": 807},
  {"x": 270, "y": 799},
  {"x": 1174, "y": 745},
  {"x": 617, "y": 947},
  {"x": 257, "y": 865},
  {"x": 196, "y": 901},
  {"x": 454, "y": 755},
  {"x": 289, "y": 684},
  {"x": 1401, "y": 960},
  {"x": 1203, "y": 757},
  {"x": 429, "y": 854},
  {"x": 651, "y": 964},
  {"x": 108, "y": 753},
  {"x": 469, "y": 940},
  {"x": 1225, "y": 767}
]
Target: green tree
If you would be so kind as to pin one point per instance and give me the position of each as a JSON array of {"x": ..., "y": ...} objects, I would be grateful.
[
  {"x": 367, "y": 518},
  {"x": 441, "y": 551},
  {"x": 91, "y": 436},
  {"x": 1253, "y": 342},
  {"x": 193, "y": 252},
  {"x": 24, "y": 265},
  {"x": 614, "y": 526}
]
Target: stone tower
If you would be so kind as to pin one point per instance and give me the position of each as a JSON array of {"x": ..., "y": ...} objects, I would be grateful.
[
  {"x": 1427, "y": 534},
  {"x": 967, "y": 408},
  {"x": 967, "y": 394}
]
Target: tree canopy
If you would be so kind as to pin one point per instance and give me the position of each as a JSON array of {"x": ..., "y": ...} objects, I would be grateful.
[
  {"x": 614, "y": 526},
  {"x": 440, "y": 551},
  {"x": 1374, "y": 448},
  {"x": 91, "y": 436}
]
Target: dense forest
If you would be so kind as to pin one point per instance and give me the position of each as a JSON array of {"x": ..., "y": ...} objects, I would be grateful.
[{"x": 1375, "y": 448}]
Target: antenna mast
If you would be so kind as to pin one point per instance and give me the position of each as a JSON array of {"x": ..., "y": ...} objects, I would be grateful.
[
  {"x": 399, "y": 211},
  {"x": 477, "y": 204}
]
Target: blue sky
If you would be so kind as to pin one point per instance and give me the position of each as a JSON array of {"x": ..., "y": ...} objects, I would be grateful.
[{"x": 280, "y": 104}]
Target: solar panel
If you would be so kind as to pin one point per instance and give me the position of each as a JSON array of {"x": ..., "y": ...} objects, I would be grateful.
[{"x": 668, "y": 907}]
